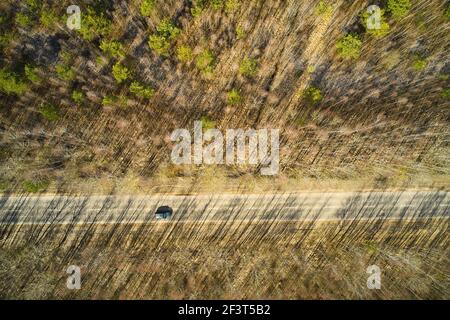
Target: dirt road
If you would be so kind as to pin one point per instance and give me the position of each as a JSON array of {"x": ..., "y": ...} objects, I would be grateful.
[{"x": 300, "y": 206}]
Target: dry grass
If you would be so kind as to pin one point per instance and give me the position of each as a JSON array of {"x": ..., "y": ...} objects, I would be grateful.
[{"x": 234, "y": 260}]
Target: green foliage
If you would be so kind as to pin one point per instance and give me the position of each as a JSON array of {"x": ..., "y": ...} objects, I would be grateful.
[
  {"x": 120, "y": 72},
  {"x": 198, "y": 7},
  {"x": 77, "y": 96},
  {"x": 94, "y": 24},
  {"x": 207, "y": 123},
  {"x": 10, "y": 84},
  {"x": 349, "y": 47},
  {"x": 234, "y": 97},
  {"x": 161, "y": 41},
  {"x": 231, "y": 5},
  {"x": 23, "y": 20},
  {"x": 447, "y": 12},
  {"x": 32, "y": 75},
  {"x": 240, "y": 33},
  {"x": 399, "y": 8},
  {"x": 446, "y": 94},
  {"x": 49, "y": 112},
  {"x": 48, "y": 18},
  {"x": 65, "y": 72},
  {"x": 141, "y": 91},
  {"x": 312, "y": 95},
  {"x": 248, "y": 67},
  {"x": 5, "y": 39},
  {"x": 63, "y": 68},
  {"x": 113, "y": 48},
  {"x": 322, "y": 8},
  {"x": 217, "y": 4},
  {"x": 205, "y": 61},
  {"x": 111, "y": 100},
  {"x": 34, "y": 187},
  {"x": 33, "y": 4},
  {"x": 146, "y": 7},
  {"x": 196, "y": 11},
  {"x": 3, "y": 186},
  {"x": 66, "y": 57},
  {"x": 419, "y": 63},
  {"x": 167, "y": 29},
  {"x": 101, "y": 61},
  {"x": 185, "y": 54},
  {"x": 384, "y": 26},
  {"x": 159, "y": 44}
]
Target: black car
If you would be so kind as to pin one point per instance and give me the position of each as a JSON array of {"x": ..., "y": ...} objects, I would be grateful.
[{"x": 163, "y": 213}]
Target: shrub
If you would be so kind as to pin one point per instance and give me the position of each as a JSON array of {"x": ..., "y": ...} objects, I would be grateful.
[
  {"x": 322, "y": 8},
  {"x": 207, "y": 123},
  {"x": 161, "y": 41},
  {"x": 248, "y": 67},
  {"x": 205, "y": 61},
  {"x": 109, "y": 100},
  {"x": 240, "y": 33},
  {"x": 185, "y": 54},
  {"x": 141, "y": 91},
  {"x": 398, "y": 8},
  {"x": 101, "y": 61},
  {"x": 6, "y": 38},
  {"x": 159, "y": 44},
  {"x": 66, "y": 57},
  {"x": 10, "y": 84},
  {"x": 231, "y": 6},
  {"x": 3, "y": 186},
  {"x": 198, "y": 7},
  {"x": 77, "y": 96},
  {"x": 94, "y": 25},
  {"x": 63, "y": 68},
  {"x": 378, "y": 33},
  {"x": 112, "y": 48},
  {"x": 146, "y": 7},
  {"x": 65, "y": 72},
  {"x": 349, "y": 47},
  {"x": 419, "y": 63},
  {"x": 312, "y": 95},
  {"x": 167, "y": 29},
  {"x": 217, "y": 4},
  {"x": 446, "y": 94},
  {"x": 120, "y": 73},
  {"x": 32, "y": 75},
  {"x": 33, "y": 4},
  {"x": 23, "y": 20},
  {"x": 34, "y": 187},
  {"x": 447, "y": 12},
  {"x": 48, "y": 18},
  {"x": 234, "y": 97},
  {"x": 49, "y": 112},
  {"x": 120, "y": 101}
]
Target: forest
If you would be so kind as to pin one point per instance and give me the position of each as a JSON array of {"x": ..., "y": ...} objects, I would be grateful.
[{"x": 91, "y": 91}]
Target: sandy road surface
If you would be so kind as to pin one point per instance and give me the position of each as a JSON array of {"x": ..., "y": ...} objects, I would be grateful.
[{"x": 300, "y": 206}]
